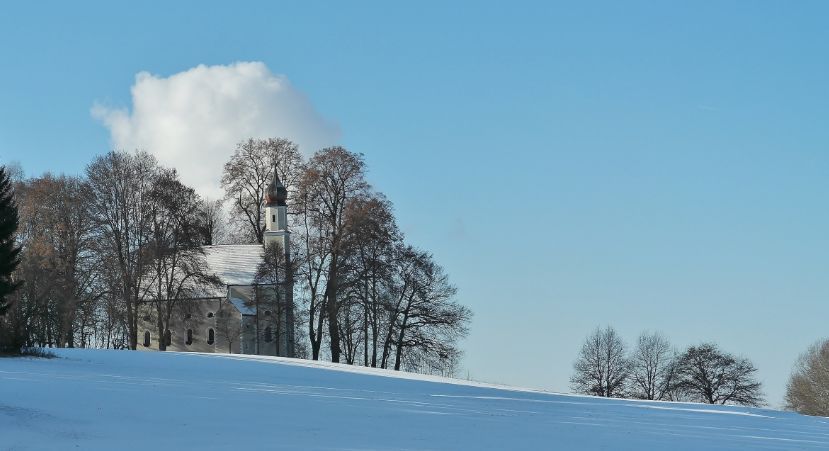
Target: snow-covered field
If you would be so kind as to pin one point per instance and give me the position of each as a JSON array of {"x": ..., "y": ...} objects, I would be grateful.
[{"x": 95, "y": 399}]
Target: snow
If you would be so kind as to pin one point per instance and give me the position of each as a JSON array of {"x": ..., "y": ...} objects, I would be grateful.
[
  {"x": 243, "y": 307},
  {"x": 234, "y": 264},
  {"x": 99, "y": 399}
]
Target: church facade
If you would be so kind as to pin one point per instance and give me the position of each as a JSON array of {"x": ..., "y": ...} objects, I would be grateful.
[{"x": 240, "y": 316}]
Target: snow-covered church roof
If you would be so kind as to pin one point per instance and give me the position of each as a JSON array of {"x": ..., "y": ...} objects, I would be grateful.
[
  {"x": 244, "y": 308},
  {"x": 233, "y": 264}
]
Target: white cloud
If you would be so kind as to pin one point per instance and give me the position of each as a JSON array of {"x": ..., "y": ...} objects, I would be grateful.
[{"x": 192, "y": 120}]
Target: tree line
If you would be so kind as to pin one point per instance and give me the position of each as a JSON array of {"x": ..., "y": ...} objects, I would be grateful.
[
  {"x": 654, "y": 370},
  {"x": 92, "y": 249}
]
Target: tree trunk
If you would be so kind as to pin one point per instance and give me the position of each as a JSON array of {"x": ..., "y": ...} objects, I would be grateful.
[
  {"x": 162, "y": 336},
  {"x": 331, "y": 304},
  {"x": 399, "y": 354},
  {"x": 365, "y": 323},
  {"x": 315, "y": 345},
  {"x": 375, "y": 326},
  {"x": 132, "y": 323},
  {"x": 387, "y": 342}
]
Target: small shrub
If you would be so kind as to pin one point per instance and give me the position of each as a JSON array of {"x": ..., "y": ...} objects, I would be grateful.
[{"x": 42, "y": 353}]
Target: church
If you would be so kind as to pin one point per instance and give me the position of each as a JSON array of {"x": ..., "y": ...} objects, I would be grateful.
[{"x": 239, "y": 316}]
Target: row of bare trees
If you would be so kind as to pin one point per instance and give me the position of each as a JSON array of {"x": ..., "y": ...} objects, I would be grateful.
[
  {"x": 128, "y": 234},
  {"x": 370, "y": 297},
  {"x": 95, "y": 247},
  {"x": 654, "y": 370}
]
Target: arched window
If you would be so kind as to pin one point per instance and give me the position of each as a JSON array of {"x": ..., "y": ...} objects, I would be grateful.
[
  {"x": 210, "y": 336},
  {"x": 267, "y": 313},
  {"x": 189, "y": 336},
  {"x": 210, "y": 314},
  {"x": 268, "y": 335},
  {"x": 168, "y": 337},
  {"x": 146, "y": 338}
]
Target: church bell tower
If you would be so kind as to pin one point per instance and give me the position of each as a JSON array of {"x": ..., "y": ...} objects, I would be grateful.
[
  {"x": 276, "y": 231},
  {"x": 276, "y": 214}
]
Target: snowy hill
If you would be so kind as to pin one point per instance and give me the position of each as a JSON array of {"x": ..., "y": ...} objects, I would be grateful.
[{"x": 95, "y": 399}]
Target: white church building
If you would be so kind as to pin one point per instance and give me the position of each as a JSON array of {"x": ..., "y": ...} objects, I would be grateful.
[{"x": 240, "y": 316}]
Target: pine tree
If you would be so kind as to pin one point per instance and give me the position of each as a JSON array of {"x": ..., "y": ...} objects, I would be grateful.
[{"x": 9, "y": 251}]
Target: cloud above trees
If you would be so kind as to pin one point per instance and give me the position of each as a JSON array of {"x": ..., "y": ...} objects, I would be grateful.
[{"x": 193, "y": 119}]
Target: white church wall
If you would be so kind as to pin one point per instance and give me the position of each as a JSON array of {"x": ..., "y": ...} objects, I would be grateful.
[
  {"x": 260, "y": 332},
  {"x": 201, "y": 316}
]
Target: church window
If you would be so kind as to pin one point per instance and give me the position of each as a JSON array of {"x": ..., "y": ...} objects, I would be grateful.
[
  {"x": 146, "y": 317},
  {"x": 268, "y": 335},
  {"x": 210, "y": 314},
  {"x": 210, "y": 336},
  {"x": 267, "y": 313},
  {"x": 168, "y": 337},
  {"x": 146, "y": 338},
  {"x": 189, "y": 336},
  {"x": 187, "y": 316}
]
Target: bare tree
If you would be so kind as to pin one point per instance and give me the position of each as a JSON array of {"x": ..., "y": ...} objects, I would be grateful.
[
  {"x": 374, "y": 238},
  {"x": 349, "y": 326},
  {"x": 177, "y": 271},
  {"x": 247, "y": 175},
  {"x": 366, "y": 266},
  {"x": 276, "y": 272},
  {"x": 332, "y": 179},
  {"x": 228, "y": 326},
  {"x": 113, "y": 330},
  {"x": 312, "y": 262},
  {"x": 120, "y": 185},
  {"x": 58, "y": 237},
  {"x": 652, "y": 367},
  {"x": 424, "y": 318},
  {"x": 808, "y": 389},
  {"x": 710, "y": 375},
  {"x": 37, "y": 303},
  {"x": 602, "y": 368},
  {"x": 213, "y": 223}
]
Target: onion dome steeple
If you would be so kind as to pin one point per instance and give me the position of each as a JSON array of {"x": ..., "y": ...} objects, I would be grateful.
[{"x": 277, "y": 194}]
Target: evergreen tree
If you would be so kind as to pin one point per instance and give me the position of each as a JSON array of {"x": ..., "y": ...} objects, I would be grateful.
[{"x": 9, "y": 251}]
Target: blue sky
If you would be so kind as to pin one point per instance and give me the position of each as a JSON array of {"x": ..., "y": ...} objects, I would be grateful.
[{"x": 652, "y": 165}]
